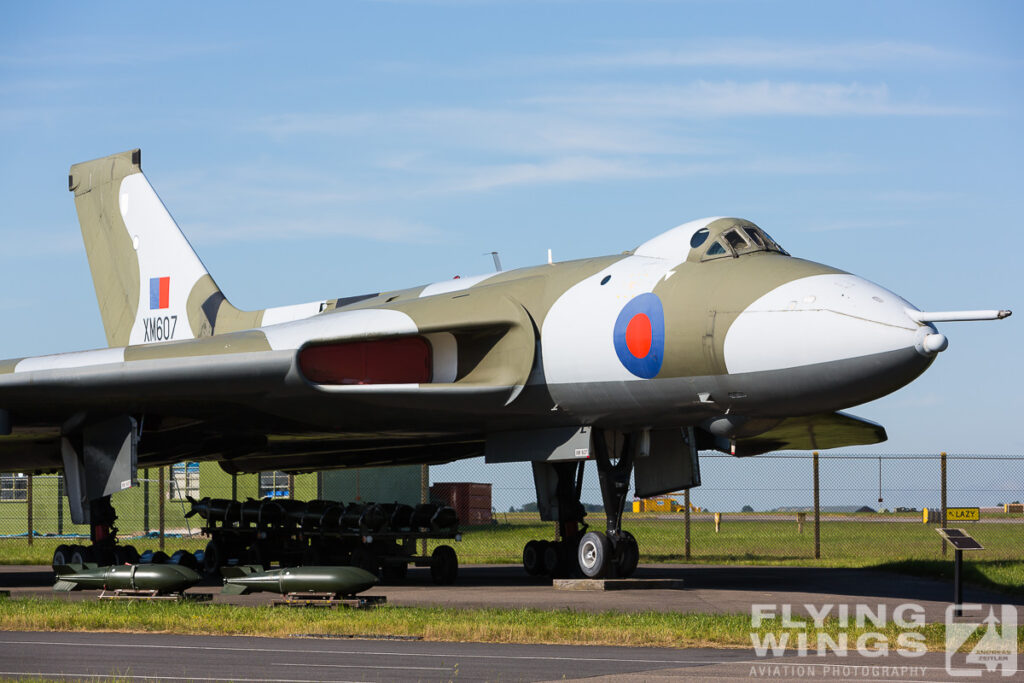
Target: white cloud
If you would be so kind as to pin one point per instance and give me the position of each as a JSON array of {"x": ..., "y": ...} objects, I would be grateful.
[
  {"x": 704, "y": 99},
  {"x": 747, "y": 53}
]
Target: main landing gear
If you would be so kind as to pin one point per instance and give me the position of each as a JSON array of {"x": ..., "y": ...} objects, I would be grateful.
[
  {"x": 579, "y": 551},
  {"x": 103, "y": 549}
]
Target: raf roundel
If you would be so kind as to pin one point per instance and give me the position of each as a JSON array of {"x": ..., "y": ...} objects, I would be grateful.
[{"x": 639, "y": 335}]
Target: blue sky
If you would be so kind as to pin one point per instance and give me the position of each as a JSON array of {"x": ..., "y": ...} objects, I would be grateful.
[{"x": 323, "y": 150}]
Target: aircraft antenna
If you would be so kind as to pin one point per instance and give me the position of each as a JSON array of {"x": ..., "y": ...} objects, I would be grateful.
[{"x": 497, "y": 261}]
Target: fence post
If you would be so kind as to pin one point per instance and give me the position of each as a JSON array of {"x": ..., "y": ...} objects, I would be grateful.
[
  {"x": 817, "y": 511},
  {"x": 686, "y": 517},
  {"x": 234, "y": 486},
  {"x": 28, "y": 499},
  {"x": 942, "y": 468},
  {"x": 145, "y": 501},
  {"x": 60, "y": 504},
  {"x": 160, "y": 506},
  {"x": 424, "y": 493},
  {"x": 319, "y": 485},
  {"x": 291, "y": 486}
]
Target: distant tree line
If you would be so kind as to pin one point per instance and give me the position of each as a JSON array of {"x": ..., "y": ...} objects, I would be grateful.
[{"x": 532, "y": 507}]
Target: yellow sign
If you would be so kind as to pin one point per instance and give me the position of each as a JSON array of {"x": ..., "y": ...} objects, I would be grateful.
[{"x": 963, "y": 514}]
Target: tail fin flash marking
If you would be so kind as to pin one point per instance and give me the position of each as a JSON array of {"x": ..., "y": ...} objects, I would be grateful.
[{"x": 159, "y": 293}]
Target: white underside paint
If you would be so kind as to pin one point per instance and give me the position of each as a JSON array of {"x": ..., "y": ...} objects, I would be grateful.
[
  {"x": 576, "y": 338},
  {"x": 162, "y": 251},
  {"x": 342, "y": 326},
  {"x": 816, "y": 320},
  {"x": 77, "y": 359},
  {"x": 673, "y": 244}
]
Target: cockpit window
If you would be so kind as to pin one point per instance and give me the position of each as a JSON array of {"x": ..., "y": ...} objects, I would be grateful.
[
  {"x": 716, "y": 249},
  {"x": 736, "y": 240},
  {"x": 698, "y": 238}
]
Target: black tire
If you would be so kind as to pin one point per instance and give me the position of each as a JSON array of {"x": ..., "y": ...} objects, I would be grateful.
[
  {"x": 81, "y": 554},
  {"x": 185, "y": 559},
  {"x": 593, "y": 554},
  {"x": 394, "y": 572},
  {"x": 61, "y": 555},
  {"x": 256, "y": 555},
  {"x": 627, "y": 555},
  {"x": 364, "y": 558},
  {"x": 312, "y": 557},
  {"x": 160, "y": 557},
  {"x": 129, "y": 554},
  {"x": 213, "y": 558},
  {"x": 533, "y": 558},
  {"x": 555, "y": 560},
  {"x": 444, "y": 565}
]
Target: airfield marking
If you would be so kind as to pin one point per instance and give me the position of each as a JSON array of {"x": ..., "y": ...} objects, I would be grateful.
[{"x": 361, "y": 652}]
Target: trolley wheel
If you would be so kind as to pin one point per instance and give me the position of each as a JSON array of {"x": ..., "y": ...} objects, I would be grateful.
[
  {"x": 533, "y": 558},
  {"x": 364, "y": 558},
  {"x": 81, "y": 554},
  {"x": 256, "y": 554},
  {"x": 312, "y": 557},
  {"x": 394, "y": 572},
  {"x": 129, "y": 554},
  {"x": 213, "y": 558},
  {"x": 185, "y": 559},
  {"x": 444, "y": 565},
  {"x": 593, "y": 554},
  {"x": 61, "y": 555},
  {"x": 627, "y": 555}
]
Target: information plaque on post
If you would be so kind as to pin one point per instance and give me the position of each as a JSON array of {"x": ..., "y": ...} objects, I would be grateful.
[{"x": 961, "y": 541}]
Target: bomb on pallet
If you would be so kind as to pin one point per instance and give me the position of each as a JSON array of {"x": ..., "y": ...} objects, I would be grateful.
[
  {"x": 244, "y": 579},
  {"x": 161, "y": 578}
]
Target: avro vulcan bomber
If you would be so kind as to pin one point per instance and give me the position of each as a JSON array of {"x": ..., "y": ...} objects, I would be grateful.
[{"x": 708, "y": 336}]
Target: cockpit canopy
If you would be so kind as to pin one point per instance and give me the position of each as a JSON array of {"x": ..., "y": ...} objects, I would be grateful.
[{"x": 734, "y": 239}]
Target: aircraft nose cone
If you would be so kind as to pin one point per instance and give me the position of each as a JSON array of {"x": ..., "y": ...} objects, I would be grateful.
[{"x": 821, "y": 319}]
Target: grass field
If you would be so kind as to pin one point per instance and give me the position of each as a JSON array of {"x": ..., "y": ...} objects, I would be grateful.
[{"x": 647, "y": 629}]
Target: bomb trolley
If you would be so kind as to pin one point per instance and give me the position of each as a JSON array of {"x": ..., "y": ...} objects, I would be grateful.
[{"x": 380, "y": 538}]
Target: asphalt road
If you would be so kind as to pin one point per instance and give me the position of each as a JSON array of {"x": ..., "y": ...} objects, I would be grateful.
[
  {"x": 161, "y": 657},
  {"x": 706, "y": 588}
]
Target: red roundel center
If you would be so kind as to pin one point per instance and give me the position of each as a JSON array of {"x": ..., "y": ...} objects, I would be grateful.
[{"x": 638, "y": 335}]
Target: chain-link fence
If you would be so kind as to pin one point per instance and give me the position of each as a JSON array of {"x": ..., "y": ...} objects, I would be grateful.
[{"x": 784, "y": 507}]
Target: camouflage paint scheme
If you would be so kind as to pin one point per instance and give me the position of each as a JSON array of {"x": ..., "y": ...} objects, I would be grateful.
[{"x": 756, "y": 347}]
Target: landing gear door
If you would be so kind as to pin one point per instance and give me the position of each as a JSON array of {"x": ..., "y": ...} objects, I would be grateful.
[{"x": 670, "y": 463}]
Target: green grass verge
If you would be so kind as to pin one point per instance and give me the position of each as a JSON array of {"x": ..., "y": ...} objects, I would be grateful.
[
  {"x": 1002, "y": 575},
  {"x": 645, "y": 629}
]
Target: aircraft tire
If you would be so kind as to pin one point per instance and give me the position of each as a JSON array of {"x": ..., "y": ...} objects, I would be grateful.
[
  {"x": 593, "y": 554},
  {"x": 61, "y": 555},
  {"x": 159, "y": 557},
  {"x": 555, "y": 560},
  {"x": 533, "y": 558},
  {"x": 444, "y": 565},
  {"x": 627, "y": 555}
]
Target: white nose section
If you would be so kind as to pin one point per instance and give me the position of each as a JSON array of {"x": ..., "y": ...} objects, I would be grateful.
[
  {"x": 820, "y": 319},
  {"x": 928, "y": 342}
]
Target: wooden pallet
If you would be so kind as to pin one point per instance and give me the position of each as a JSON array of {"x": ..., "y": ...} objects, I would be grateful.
[
  {"x": 128, "y": 594},
  {"x": 330, "y": 600}
]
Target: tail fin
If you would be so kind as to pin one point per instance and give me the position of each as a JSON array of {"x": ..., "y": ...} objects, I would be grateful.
[
  {"x": 149, "y": 282},
  {"x": 235, "y": 571}
]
